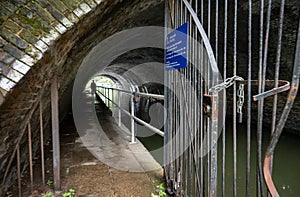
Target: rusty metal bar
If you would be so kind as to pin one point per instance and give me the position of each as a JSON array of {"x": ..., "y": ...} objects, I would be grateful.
[
  {"x": 42, "y": 142},
  {"x": 278, "y": 130},
  {"x": 19, "y": 171},
  {"x": 277, "y": 66},
  {"x": 55, "y": 133},
  {"x": 272, "y": 92},
  {"x": 30, "y": 156},
  {"x": 24, "y": 126}
]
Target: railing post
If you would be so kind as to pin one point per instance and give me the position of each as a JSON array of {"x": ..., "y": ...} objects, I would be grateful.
[
  {"x": 42, "y": 142},
  {"x": 19, "y": 170},
  {"x": 119, "y": 103},
  {"x": 30, "y": 157},
  {"x": 132, "y": 120},
  {"x": 55, "y": 133},
  {"x": 105, "y": 90}
]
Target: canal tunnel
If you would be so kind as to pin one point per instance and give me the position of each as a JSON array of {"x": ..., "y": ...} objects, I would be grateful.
[{"x": 70, "y": 43}]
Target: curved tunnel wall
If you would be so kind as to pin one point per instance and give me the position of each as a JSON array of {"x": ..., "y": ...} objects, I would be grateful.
[{"x": 40, "y": 39}]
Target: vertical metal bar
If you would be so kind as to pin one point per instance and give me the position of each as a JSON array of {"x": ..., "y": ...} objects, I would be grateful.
[
  {"x": 166, "y": 95},
  {"x": 224, "y": 99},
  {"x": 216, "y": 29},
  {"x": 30, "y": 157},
  {"x": 249, "y": 100},
  {"x": 19, "y": 170},
  {"x": 277, "y": 66},
  {"x": 108, "y": 97},
  {"x": 201, "y": 77},
  {"x": 132, "y": 120},
  {"x": 191, "y": 130},
  {"x": 266, "y": 44},
  {"x": 106, "y": 101},
  {"x": 288, "y": 106},
  {"x": 42, "y": 142},
  {"x": 234, "y": 103},
  {"x": 119, "y": 112},
  {"x": 55, "y": 133},
  {"x": 208, "y": 129},
  {"x": 196, "y": 122},
  {"x": 259, "y": 123}
]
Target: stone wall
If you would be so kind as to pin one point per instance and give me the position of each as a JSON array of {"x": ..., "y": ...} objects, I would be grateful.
[
  {"x": 40, "y": 39},
  {"x": 43, "y": 38}
]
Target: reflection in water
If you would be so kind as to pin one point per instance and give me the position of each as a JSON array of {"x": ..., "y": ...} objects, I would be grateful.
[{"x": 286, "y": 170}]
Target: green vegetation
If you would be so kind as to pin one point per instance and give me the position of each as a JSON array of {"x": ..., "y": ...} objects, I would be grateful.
[
  {"x": 49, "y": 182},
  {"x": 48, "y": 194},
  {"x": 70, "y": 193},
  {"x": 160, "y": 190}
]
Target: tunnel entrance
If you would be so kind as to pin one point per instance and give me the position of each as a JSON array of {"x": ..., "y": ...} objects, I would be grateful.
[{"x": 226, "y": 77}]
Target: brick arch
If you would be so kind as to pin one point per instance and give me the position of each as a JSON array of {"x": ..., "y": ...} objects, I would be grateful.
[{"x": 43, "y": 38}]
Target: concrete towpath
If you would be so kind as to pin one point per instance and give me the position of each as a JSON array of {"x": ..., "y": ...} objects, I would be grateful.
[{"x": 84, "y": 172}]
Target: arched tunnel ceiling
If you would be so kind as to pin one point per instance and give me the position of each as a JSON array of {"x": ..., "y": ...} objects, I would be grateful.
[
  {"x": 59, "y": 54},
  {"x": 102, "y": 20},
  {"x": 134, "y": 57}
]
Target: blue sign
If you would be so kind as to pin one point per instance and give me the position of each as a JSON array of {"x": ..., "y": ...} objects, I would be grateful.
[{"x": 176, "y": 49}]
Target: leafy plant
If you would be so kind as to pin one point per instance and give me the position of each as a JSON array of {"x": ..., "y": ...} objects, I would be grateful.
[
  {"x": 68, "y": 170},
  {"x": 160, "y": 190},
  {"x": 49, "y": 182},
  {"x": 48, "y": 194},
  {"x": 70, "y": 193},
  {"x": 8, "y": 194}
]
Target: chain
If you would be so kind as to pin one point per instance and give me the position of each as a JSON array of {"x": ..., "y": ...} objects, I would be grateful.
[
  {"x": 240, "y": 102},
  {"x": 227, "y": 83},
  {"x": 240, "y": 93}
]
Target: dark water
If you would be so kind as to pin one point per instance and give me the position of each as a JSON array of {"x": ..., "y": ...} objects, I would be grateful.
[{"x": 286, "y": 169}]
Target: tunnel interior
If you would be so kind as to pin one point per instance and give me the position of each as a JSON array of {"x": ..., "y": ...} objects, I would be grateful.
[{"x": 89, "y": 54}]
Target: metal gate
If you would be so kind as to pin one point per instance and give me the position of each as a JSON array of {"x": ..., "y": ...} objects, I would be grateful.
[{"x": 196, "y": 97}]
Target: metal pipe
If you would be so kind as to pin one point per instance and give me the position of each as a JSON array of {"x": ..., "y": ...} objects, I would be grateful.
[
  {"x": 19, "y": 170},
  {"x": 30, "y": 157},
  {"x": 288, "y": 106},
  {"x": 260, "y": 108},
  {"x": 234, "y": 102},
  {"x": 156, "y": 96},
  {"x": 155, "y": 130},
  {"x": 132, "y": 120},
  {"x": 55, "y": 133},
  {"x": 24, "y": 126},
  {"x": 224, "y": 100},
  {"x": 119, "y": 111},
  {"x": 277, "y": 66},
  {"x": 249, "y": 101},
  {"x": 42, "y": 142}
]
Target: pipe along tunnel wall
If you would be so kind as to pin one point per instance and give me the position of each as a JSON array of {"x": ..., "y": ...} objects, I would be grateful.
[{"x": 40, "y": 39}]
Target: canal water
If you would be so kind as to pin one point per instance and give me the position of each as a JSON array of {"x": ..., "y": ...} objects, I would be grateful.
[{"x": 286, "y": 169}]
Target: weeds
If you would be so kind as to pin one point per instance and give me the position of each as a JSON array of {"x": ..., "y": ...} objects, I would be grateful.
[
  {"x": 70, "y": 193},
  {"x": 49, "y": 183},
  {"x": 48, "y": 194},
  {"x": 160, "y": 190}
]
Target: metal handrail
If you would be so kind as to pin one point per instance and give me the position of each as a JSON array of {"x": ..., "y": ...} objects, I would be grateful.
[
  {"x": 155, "y": 130},
  {"x": 156, "y": 96}
]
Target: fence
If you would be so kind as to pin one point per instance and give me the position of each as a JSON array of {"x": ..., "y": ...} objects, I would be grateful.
[{"x": 195, "y": 98}]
